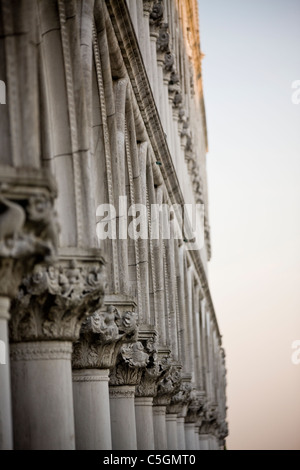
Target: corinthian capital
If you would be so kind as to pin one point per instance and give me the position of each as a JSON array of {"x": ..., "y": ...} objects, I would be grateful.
[
  {"x": 53, "y": 302},
  {"x": 102, "y": 336}
]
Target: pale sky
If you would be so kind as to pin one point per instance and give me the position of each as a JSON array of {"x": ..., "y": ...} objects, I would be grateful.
[{"x": 252, "y": 56}]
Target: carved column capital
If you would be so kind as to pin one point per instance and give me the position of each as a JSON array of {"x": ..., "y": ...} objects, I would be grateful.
[
  {"x": 174, "y": 89},
  {"x": 156, "y": 18},
  {"x": 208, "y": 418},
  {"x": 195, "y": 406},
  {"x": 147, "y": 7},
  {"x": 168, "y": 386},
  {"x": 162, "y": 44},
  {"x": 28, "y": 225},
  {"x": 222, "y": 431},
  {"x": 53, "y": 302},
  {"x": 102, "y": 336},
  {"x": 158, "y": 365},
  {"x": 180, "y": 401},
  {"x": 131, "y": 361}
]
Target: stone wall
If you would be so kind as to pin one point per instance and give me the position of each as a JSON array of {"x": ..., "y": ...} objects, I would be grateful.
[{"x": 111, "y": 342}]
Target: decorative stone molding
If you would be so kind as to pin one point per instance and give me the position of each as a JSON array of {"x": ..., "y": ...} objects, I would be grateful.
[
  {"x": 102, "y": 336},
  {"x": 53, "y": 301},
  {"x": 89, "y": 378},
  {"x": 28, "y": 224},
  {"x": 90, "y": 375},
  {"x": 121, "y": 392},
  {"x": 39, "y": 351}
]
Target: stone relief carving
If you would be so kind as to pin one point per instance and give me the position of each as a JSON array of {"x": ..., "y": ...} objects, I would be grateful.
[
  {"x": 180, "y": 401},
  {"x": 195, "y": 408},
  {"x": 101, "y": 336},
  {"x": 158, "y": 365},
  {"x": 208, "y": 418},
  {"x": 163, "y": 39},
  {"x": 132, "y": 359},
  {"x": 54, "y": 300},
  {"x": 147, "y": 6},
  {"x": 169, "y": 62},
  {"x": 28, "y": 235},
  {"x": 168, "y": 386},
  {"x": 157, "y": 14}
]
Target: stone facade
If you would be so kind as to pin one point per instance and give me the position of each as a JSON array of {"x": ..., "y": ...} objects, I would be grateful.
[{"x": 109, "y": 342}]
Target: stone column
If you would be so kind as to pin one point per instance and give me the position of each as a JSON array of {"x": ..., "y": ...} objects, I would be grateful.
[
  {"x": 147, "y": 387},
  {"x": 171, "y": 423},
  {"x": 101, "y": 337},
  {"x": 42, "y": 395},
  {"x": 179, "y": 406},
  {"x": 46, "y": 319},
  {"x": 123, "y": 380},
  {"x": 189, "y": 436},
  {"x": 144, "y": 423},
  {"x": 204, "y": 441},
  {"x": 197, "y": 444},
  {"x": 27, "y": 226},
  {"x": 166, "y": 388},
  {"x": 180, "y": 433},
  {"x": 91, "y": 409},
  {"x": 191, "y": 421},
  {"x": 160, "y": 428},
  {"x": 6, "y": 440},
  {"x": 122, "y": 412}
]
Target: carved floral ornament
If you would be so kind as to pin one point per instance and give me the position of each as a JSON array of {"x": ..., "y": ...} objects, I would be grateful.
[
  {"x": 102, "y": 336},
  {"x": 168, "y": 386},
  {"x": 142, "y": 364},
  {"x": 28, "y": 235},
  {"x": 54, "y": 300},
  {"x": 158, "y": 366}
]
